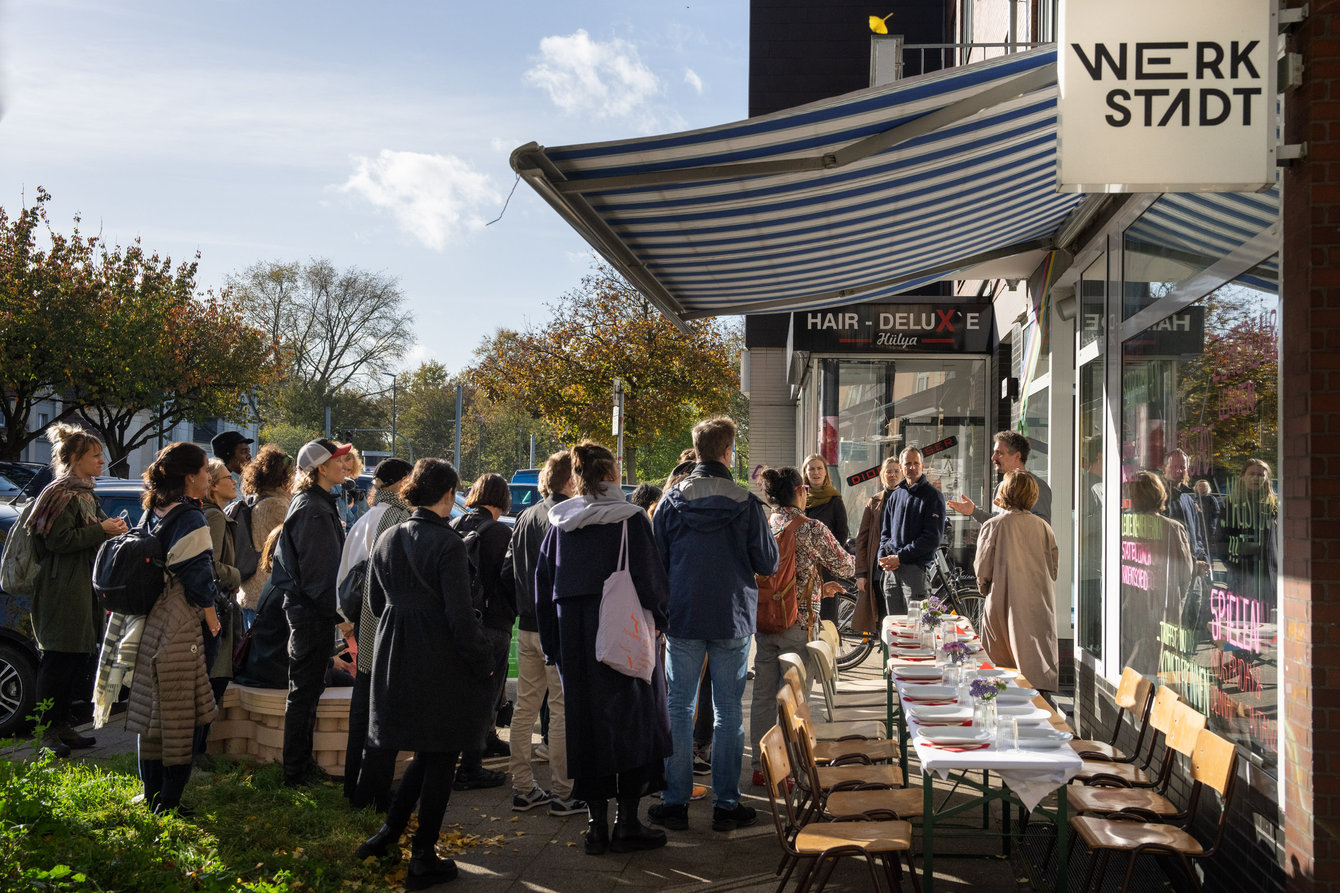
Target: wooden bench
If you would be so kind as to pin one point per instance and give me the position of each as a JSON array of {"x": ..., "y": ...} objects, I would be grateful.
[{"x": 250, "y": 725}]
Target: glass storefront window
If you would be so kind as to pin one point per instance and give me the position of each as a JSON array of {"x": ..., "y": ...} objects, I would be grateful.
[
  {"x": 887, "y": 404},
  {"x": 1092, "y": 316},
  {"x": 1199, "y": 578},
  {"x": 1089, "y": 498}
]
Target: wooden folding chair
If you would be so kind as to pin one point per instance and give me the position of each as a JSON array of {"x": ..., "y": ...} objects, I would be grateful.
[
  {"x": 1138, "y": 776},
  {"x": 1151, "y": 804},
  {"x": 794, "y": 676},
  {"x": 1213, "y": 765},
  {"x": 1135, "y": 695},
  {"x": 817, "y": 846}
]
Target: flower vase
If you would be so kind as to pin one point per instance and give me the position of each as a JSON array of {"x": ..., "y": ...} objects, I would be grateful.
[{"x": 984, "y": 714}]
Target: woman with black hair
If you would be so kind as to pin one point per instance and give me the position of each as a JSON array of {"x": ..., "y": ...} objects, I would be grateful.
[
  {"x": 170, "y": 695},
  {"x": 429, "y": 639},
  {"x": 618, "y": 727},
  {"x": 817, "y": 551}
]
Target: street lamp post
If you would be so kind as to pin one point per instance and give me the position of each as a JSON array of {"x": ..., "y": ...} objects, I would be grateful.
[{"x": 393, "y": 384}]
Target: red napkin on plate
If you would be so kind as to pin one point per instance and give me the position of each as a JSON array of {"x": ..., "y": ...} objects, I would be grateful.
[
  {"x": 955, "y": 748},
  {"x": 930, "y": 702},
  {"x": 910, "y": 657},
  {"x": 986, "y": 665},
  {"x": 931, "y": 722}
]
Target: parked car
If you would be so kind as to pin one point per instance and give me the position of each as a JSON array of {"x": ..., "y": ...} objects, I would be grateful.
[
  {"x": 18, "y": 650},
  {"x": 22, "y": 473},
  {"x": 526, "y": 476},
  {"x": 523, "y": 497}
]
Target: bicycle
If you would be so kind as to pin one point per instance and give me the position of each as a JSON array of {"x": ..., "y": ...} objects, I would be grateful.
[
  {"x": 855, "y": 645},
  {"x": 957, "y": 588}
]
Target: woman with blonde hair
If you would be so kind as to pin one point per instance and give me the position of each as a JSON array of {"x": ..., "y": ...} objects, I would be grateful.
[
  {"x": 68, "y": 526},
  {"x": 1016, "y": 567},
  {"x": 824, "y": 503},
  {"x": 170, "y": 697}
]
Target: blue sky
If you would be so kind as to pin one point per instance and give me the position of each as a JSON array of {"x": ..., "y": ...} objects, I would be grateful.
[{"x": 374, "y": 135}]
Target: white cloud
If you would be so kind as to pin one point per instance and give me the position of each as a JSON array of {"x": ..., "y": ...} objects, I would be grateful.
[
  {"x": 691, "y": 78},
  {"x": 435, "y": 198},
  {"x": 585, "y": 76}
]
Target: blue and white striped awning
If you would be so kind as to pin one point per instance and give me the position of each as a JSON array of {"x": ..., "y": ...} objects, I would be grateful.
[{"x": 855, "y": 198}]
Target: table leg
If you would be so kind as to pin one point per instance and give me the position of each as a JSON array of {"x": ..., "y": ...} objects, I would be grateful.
[
  {"x": 1062, "y": 842},
  {"x": 986, "y": 803},
  {"x": 927, "y": 832},
  {"x": 1006, "y": 814}
]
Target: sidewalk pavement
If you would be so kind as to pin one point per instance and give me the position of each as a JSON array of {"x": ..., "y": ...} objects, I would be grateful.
[{"x": 543, "y": 854}]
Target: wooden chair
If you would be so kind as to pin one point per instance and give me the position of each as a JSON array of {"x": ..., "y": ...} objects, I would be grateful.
[
  {"x": 1132, "y": 775},
  {"x": 817, "y": 846},
  {"x": 835, "y": 700},
  {"x": 841, "y": 750},
  {"x": 1135, "y": 695},
  {"x": 817, "y": 782},
  {"x": 1213, "y": 765},
  {"x": 794, "y": 676},
  {"x": 1151, "y": 804}
]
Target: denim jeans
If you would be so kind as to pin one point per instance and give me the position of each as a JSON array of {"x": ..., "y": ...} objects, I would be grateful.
[{"x": 727, "y": 664}]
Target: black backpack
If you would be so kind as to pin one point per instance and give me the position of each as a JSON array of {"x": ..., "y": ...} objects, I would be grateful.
[
  {"x": 129, "y": 570},
  {"x": 479, "y": 596},
  {"x": 246, "y": 558}
]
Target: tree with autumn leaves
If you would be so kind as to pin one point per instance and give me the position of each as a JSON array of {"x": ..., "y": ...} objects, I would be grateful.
[
  {"x": 117, "y": 336},
  {"x": 564, "y": 371}
]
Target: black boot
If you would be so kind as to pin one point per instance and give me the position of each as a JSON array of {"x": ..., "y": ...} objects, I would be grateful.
[
  {"x": 427, "y": 870},
  {"x": 384, "y": 845},
  {"x": 630, "y": 835},
  {"x": 597, "y": 827}
]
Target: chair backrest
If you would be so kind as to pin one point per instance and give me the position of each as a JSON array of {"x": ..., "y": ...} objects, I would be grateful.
[
  {"x": 1165, "y": 708},
  {"x": 789, "y": 709},
  {"x": 828, "y": 632},
  {"x": 1214, "y": 762},
  {"x": 794, "y": 665},
  {"x": 1133, "y": 691},
  {"x": 1186, "y": 728},
  {"x": 776, "y": 767},
  {"x": 797, "y": 735},
  {"x": 819, "y": 649}
]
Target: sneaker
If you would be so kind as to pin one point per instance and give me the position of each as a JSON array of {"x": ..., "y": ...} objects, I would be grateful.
[
  {"x": 478, "y": 778},
  {"x": 571, "y": 806},
  {"x": 738, "y": 816},
  {"x": 536, "y": 797},
  {"x": 759, "y": 780},
  {"x": 701, "y": 766},
  {"x": 541, "y": 753},
  {"x": 676, "y": 818}
]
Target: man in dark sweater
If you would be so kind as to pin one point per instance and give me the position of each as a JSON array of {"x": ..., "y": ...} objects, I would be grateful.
[
  {"x": 307, "y": 561},
  {"x": 909, "y": 534},
  {"x": 534, "y": 676}
]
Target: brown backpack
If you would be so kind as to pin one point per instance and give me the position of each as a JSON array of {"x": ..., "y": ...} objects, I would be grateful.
[{"x": 778, "y": 601}]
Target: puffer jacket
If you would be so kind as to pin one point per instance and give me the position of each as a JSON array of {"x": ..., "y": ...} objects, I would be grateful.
[{"x": 713, "y": 538}]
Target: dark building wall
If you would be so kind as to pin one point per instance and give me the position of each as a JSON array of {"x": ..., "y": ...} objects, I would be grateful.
[{"x": 801, "y": 50}]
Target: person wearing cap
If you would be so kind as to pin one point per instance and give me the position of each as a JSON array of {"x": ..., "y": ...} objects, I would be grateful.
[
  {"x": 307, "y": 560},
  {"x": 368, "y": 771},
  {"x": 233, "y": 449}
]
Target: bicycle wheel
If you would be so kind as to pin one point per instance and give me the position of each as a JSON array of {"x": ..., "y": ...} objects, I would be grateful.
[
  {"x": 855, "y": 645},
  {"x": 971, "y": 604}
]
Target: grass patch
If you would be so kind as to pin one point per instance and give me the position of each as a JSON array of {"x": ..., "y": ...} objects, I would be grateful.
[{"x": 70, "y": 825}]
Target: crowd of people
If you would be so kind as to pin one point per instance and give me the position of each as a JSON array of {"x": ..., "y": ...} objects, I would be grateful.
[{"x": 424, "y": 602}]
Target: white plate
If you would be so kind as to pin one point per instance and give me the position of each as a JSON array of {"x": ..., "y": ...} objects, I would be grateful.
[
  {"x": 945, "y": 714},
  {"x": 924, "y": 673},
  {"x": 1023, "y": 712},
  {"x": 1042, "y": 739},
  {"x": 1015, "y": 695},
  {"x": 959, "y": 735},
  {"x": 931, "y": 692}
]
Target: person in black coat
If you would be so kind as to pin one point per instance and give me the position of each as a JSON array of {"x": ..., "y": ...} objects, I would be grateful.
[
  {"x": 618, "y": 727},
  {"x": 429, "y": 639},
  {"x": 488, "y": 499}
]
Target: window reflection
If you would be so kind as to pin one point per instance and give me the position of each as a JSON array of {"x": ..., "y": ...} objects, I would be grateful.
[{"x": 1199, "y": 574}]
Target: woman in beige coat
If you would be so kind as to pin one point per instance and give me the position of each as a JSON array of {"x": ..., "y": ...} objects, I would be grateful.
[{"x": 1016, "y": 569}]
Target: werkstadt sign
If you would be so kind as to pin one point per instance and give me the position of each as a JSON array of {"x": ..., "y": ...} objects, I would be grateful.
[{"x": 1166, "y": 96}]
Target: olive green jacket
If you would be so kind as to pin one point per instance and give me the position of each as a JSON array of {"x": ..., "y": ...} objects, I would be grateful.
[{"x": 66, "y": 615}]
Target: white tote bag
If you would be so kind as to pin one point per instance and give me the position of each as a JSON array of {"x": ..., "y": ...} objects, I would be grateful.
[{"x": 626, "y": 638}]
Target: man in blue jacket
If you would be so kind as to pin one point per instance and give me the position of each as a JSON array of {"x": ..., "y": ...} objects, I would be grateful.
[
  {"x": 909, "y": 534},
  {"x": 713, "y": 537}
]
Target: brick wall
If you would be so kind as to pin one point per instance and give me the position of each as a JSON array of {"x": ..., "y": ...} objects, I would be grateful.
[{"x": 1310, "y": 371}]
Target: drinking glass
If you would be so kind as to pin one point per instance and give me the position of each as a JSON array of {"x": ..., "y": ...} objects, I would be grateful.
[{"x": 1007, "y": 734}]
